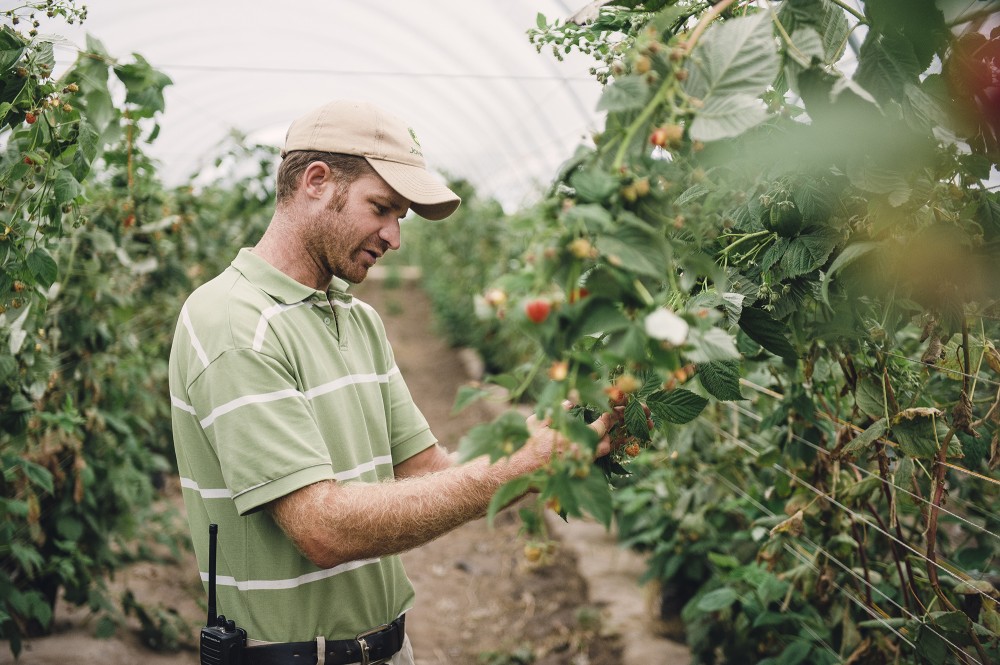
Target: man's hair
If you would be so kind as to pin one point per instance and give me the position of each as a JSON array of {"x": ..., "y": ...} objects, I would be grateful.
[{"x": 344, "y": 170}]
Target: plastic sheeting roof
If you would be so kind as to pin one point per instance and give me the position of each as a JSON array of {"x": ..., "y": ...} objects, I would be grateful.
[{"x": 485, "y": 104}]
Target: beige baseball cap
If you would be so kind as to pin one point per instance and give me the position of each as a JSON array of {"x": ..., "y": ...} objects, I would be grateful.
[{"x": 385, "y": 141}]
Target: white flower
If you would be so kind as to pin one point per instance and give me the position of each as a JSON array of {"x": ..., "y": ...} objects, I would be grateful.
[{"x": 667, "y": 326}]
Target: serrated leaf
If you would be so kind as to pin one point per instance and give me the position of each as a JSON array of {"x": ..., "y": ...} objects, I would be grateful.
[
  {"x": 42, "y": 266},
  {"x": 862, "y": 441},
  {"x": 806, "y": 253},
  {"x": 624, "y": 94},
  {"x": 691, "y": 194},
  {"x": 870, "y": 397},
  {"x": 711, "y": 345},
  {"x": 738, "y": 56},
  {"x": 886, "y": 62},
  {"x": 635, "y": 420},
  {"x": 727, "y": 116},
  {"x": 721, "y": 379},
  {"x": 806, "y": 45},
  {"x": 770, "y": 334},
  {"x": 675, "y": 406}
]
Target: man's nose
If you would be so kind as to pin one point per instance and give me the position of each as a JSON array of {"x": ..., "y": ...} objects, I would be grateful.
[{"x": 390, "y": 234}]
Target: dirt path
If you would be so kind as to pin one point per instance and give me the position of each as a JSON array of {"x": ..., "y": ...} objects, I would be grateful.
[{"x": 478, "y": 599}]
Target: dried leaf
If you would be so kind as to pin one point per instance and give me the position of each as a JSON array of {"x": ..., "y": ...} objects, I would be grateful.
[
  {"x": 962, "y": 415},
  {"x": 793, "y": 526}
]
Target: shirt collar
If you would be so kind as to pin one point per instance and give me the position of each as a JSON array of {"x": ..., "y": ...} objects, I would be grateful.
[{"x": 280, "y": 286}]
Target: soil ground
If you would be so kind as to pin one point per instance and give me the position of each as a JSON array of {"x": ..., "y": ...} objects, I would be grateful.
[{"x": 478, "y": 599}]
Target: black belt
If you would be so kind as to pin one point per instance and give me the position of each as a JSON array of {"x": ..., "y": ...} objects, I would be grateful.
[{"x": 368, "y": 647}]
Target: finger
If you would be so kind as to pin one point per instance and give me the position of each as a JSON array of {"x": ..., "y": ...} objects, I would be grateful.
[{"x": 601, "y": 426}]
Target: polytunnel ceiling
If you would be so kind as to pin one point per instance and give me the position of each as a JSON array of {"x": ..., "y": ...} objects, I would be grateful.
[{"x": 485, "y": 105}]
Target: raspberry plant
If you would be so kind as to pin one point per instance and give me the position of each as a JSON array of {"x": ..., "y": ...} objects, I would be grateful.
[{"x": 787, "y": 258}]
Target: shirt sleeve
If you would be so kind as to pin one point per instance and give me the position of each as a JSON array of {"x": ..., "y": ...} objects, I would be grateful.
[{"x": 261, "y": 426}]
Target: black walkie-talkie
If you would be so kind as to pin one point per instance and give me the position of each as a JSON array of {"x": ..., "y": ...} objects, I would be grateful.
[{"x": 221, "y": 641}]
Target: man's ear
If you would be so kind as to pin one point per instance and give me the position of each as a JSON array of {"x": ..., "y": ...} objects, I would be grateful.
[{"x": 315, "y": 180}]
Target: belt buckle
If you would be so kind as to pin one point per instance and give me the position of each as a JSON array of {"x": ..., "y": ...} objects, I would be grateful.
[{"x": 360, "y": 639}]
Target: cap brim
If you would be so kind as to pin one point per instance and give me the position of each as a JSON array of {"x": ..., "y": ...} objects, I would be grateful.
[{"x": 428, "y": 197}]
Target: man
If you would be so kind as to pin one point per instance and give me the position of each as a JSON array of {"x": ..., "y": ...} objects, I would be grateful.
[{"x": 294, "y": 430}]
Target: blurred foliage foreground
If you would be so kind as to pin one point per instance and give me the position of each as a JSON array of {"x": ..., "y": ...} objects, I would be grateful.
[
  {"x": 782, "y": 244},
  {"x": 95, "y": 258},
  {"x": 785, "y": 244}
]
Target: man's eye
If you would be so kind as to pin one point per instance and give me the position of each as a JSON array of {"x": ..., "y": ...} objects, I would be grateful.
[{"x": 380, "y": 210}]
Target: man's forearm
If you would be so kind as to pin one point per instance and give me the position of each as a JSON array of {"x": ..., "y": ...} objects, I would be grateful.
[{"x": 332, "y": 522}]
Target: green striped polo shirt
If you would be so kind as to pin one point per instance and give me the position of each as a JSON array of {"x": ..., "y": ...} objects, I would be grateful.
[{"x": 274, "y": 386}]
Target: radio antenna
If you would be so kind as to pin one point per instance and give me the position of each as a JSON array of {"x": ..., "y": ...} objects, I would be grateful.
[{"x": 213, "y": 536}]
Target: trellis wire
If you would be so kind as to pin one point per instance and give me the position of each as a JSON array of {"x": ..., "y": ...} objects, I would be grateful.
[{"x": 745, "y": 445}]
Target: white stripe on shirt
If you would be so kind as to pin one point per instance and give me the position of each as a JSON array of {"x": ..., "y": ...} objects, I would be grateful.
[
  {"x": 195, "y": 342},
  {"x": 301, "y": 580},
  {"x": 265, "y": 316}
]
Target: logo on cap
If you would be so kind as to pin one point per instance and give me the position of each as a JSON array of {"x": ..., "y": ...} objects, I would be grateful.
[{"x": 417, "y": 149}]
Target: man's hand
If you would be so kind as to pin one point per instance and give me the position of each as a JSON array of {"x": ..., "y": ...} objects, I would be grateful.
[{"x": 545, "y": 442}]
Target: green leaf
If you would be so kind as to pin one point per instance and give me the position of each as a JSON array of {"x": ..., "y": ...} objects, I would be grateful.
[
  {"x": 861, "y": 442},
  {"x": 635, "y": 420},
  {"x": 69, "y": 528},
  {"x": 849, "y": 255},
  {"x": 721, "y": 379},
  {"x": 917, "y": 438},
  {"x": 727, "y": 116},
  {"x": 504, "y": 435},
  {"x": 11, "y": 48},
  {"x": 691, "y": 194},
  {"x": 7, "y": 367},
  {"x": 716, "y": 600},
  {"x": 794, "y": 653},
  {"x": 952, "y": 622},
  {"x": 466, "y": 396},
  {"x": 806, "y": 253},
  {"x": 735, "y": 57},
  {"x": 42, "y": 266},
  {"x": 763, "y": 329},
  {"x": 593, "y": 184},
  {"x": 38, "y": 475},
  {"x": 675, "y": 406},
  {"x": 540, "y": 21},
  {"x": 65, "y": 188},
  {"x": 594, "y": 496},
  {"x": 593, "y": 218},
  {"x": 625, "y": 94},
  {"x": 636, "y": 245},
  {"x": 885, "y": 64},
  {"x": 870, "y": 397},
  {"x": 599, "y": 315},
  {"x": 30, "y": 559},
  {"x": 507, "y": 493},
  {"x": 711, "y": 345},
  {"x": 930, "y": 645}
]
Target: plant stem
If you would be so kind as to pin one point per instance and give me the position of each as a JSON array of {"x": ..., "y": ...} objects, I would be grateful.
[
  {"x": 850, "y": 10},
  {"x": 703, "y": 22},
  {"x": 756, "y": 234},
  {"x": 640, "y": 120}
]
